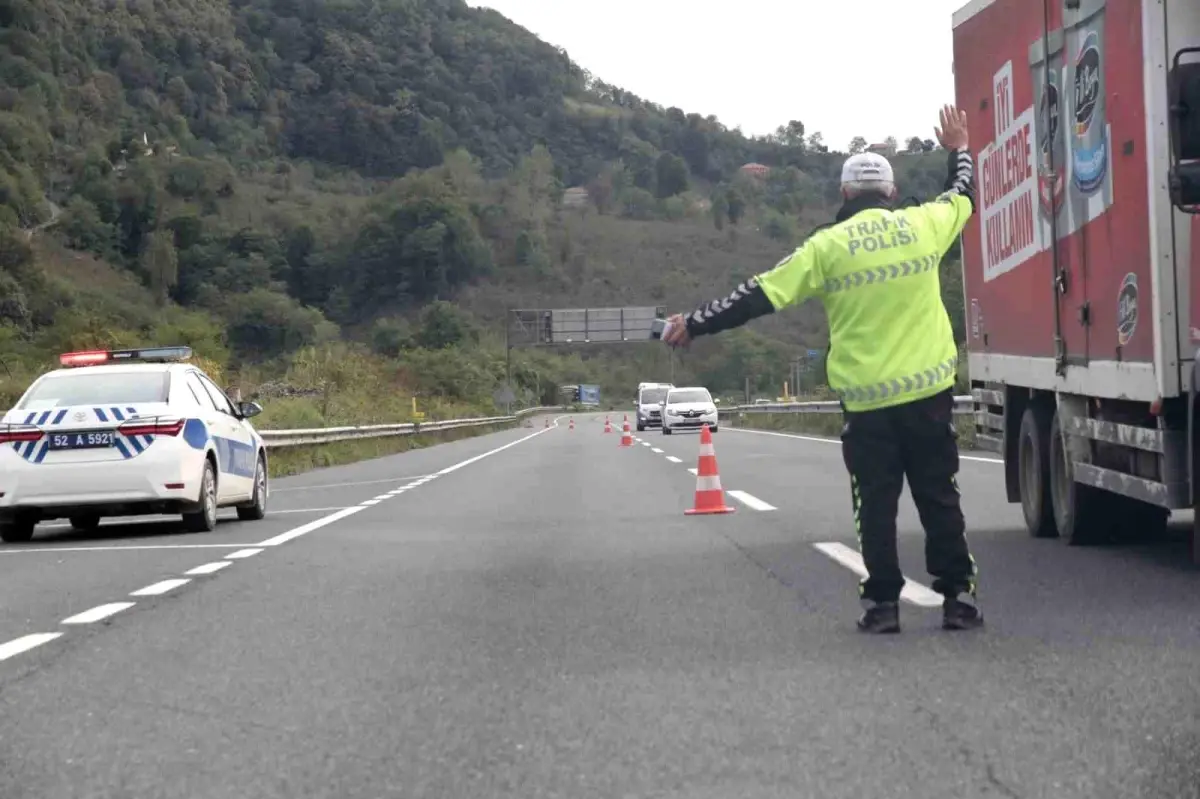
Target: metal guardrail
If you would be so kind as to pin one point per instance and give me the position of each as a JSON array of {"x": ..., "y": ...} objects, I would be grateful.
[
  {"x": 327, "y": 435},
  {"x": 963, "y": 404}
]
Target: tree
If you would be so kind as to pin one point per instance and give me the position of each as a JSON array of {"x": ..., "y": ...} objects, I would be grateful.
[
  {"x": 160, "y": 263},
  {"x": 736, "y": 205},
  {"x": 816, "y": 143},
  {"x": 914, "y": 145},
  {"x": 791, "y": 134},
  {"x": 890, "y": 143},
  {"x": 671, "y": 175},
  {"x": 857, "y": 145}
]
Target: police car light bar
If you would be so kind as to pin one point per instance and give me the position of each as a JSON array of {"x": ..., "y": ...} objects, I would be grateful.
[{"x": 152, "y": 354}]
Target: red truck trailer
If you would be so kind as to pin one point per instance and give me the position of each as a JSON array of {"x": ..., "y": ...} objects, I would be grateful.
[{"x": 1082, "y": 262}]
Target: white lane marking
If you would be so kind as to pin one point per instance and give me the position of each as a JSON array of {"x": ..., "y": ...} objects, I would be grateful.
[
  {"x": 750, "y": 501},
  {"x": 135, "y": 521},
  {"x": 355, "y": 483},
  {"x": 838, "y": 441},
  {"x": 316, "y": 524},
  {"x": 693, "y": 471},
  {"x": 673, "y": 459},
  {"x": 98, "y": 613},
  {"x": 645, "y": 443},
  {"x": 209, "y": 568},
  {"x": 309, "y": 510},
  {"x": 372, "y": 502},
  {"x": 382, "y": 497},
  {"x": 656, "y": 450},
  {"x": 243, "y": 553},
  {"x": 17, "y": 551},
  {"x": 160, "y": 587},
  {"x": 469, "y": 461},
  {"x": 25, "y": 643},
  {"x": 912, "y": 592}
]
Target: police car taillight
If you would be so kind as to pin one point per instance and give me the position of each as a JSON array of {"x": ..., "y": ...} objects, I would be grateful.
[
  {"x": 152, "y": 354},
  {"x": 159, "y": 426},
  {"x": 19, "y": 433},
  {"x": 83, "y": 358}
]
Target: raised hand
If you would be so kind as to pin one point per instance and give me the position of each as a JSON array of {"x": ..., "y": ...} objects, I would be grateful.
[{"x": 952, "y": 134}]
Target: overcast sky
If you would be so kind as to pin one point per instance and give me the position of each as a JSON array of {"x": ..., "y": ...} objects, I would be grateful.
[{"x": 869, "y": 68}]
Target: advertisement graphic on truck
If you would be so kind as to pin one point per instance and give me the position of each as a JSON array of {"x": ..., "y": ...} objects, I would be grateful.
[{"x": 1080, "y": 266}]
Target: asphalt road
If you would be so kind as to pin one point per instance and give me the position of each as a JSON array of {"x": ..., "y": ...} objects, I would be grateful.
[{"x": 530, "y": 614}]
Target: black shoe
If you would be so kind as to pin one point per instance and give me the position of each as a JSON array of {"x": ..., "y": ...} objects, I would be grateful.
[
  {"x": 881, "y": 617},
  {"x": 960, "y": 615}
]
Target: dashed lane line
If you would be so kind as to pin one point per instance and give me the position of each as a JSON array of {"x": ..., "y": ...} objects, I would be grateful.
[
  {"x": 749, "y": 500},
  {"x": 101, "y": 612},
  {"x": 23, "y": 644},
  {"x": 98, "y": 613},
  {"x": 209, "y": 568},
  {"x": 837, "y": 441},
  {"x": 673, "y": 459},
  {"x": 161, "y": 587},
  {"x": 913, "y": 592}
]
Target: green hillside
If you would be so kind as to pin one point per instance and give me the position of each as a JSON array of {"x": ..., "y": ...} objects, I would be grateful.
[{"x": 348, "y": 194}]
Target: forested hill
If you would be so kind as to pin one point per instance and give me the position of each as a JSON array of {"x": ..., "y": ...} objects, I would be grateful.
[
  {"x": 382, "y": 87},
  {"x": 260, "y": 176}
]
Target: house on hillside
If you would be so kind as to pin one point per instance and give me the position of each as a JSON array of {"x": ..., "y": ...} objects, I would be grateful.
[
  {"x": 575, "y": 197},
  {"x": 882, "y": 148},
  {"x": 755, "y": 170}
]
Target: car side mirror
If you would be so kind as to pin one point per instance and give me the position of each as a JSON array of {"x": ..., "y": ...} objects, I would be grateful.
[{"x": 248, "y": 409}]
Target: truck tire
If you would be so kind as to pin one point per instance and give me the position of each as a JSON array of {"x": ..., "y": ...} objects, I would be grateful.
[
  {"x": 1082, "y": 514},
  {"x": 1033, "y": 472},
  {"x": 1138, "y": 522}
]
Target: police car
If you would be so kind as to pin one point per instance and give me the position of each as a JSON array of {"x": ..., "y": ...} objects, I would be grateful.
[{"x": 123, "y": 433}]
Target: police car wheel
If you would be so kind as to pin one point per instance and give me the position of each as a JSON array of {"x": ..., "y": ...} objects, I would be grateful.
[
  {"x": 257, "y": 507},
  {"x": 204, "y": 520},
  {"x": 17, "y": 531},
  {"x": 85, "y": 523}
]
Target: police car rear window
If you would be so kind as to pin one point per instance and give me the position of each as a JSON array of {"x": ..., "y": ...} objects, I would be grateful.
[{"x": 98, "y": 388}]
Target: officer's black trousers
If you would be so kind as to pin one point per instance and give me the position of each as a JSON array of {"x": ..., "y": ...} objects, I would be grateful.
[{"x": 882, "y": 447}]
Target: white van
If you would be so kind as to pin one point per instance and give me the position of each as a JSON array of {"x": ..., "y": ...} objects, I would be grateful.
[{"x": 650, "y": 397}]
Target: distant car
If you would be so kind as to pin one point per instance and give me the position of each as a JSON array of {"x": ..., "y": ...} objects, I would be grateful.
[
  {"x": 124, "y": 433},
  {"x": 688, "y": 408},
  {"x": 649, "y": 404}
]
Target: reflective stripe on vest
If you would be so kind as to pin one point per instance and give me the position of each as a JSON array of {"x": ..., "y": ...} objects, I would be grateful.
[
  {"x": 879, "y": 274},
  {"x": 900, "y": 385}
]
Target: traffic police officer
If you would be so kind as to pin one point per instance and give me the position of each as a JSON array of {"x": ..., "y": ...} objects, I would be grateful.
[{"x": 892, "y": 362}]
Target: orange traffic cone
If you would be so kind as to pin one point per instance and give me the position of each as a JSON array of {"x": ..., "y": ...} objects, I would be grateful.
[
  {"x": 626, "y": 435},
  {"x": 572, "y": 425},
  {"x": 710, "y": 498},
  {"x": 607, "y": 425}
]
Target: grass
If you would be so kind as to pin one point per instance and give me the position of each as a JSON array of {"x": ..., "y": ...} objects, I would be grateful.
[{"x": 296, "y": 460}]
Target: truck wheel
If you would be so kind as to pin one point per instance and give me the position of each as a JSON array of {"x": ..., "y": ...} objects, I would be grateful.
[
  {"x": 1033, "y": 472},
  {"x": 1138, "y": 522},
  {"x": 1082, "y": 513}
]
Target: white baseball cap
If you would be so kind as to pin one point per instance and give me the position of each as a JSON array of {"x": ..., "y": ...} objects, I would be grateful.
[{"x": 867, "y": 167}]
